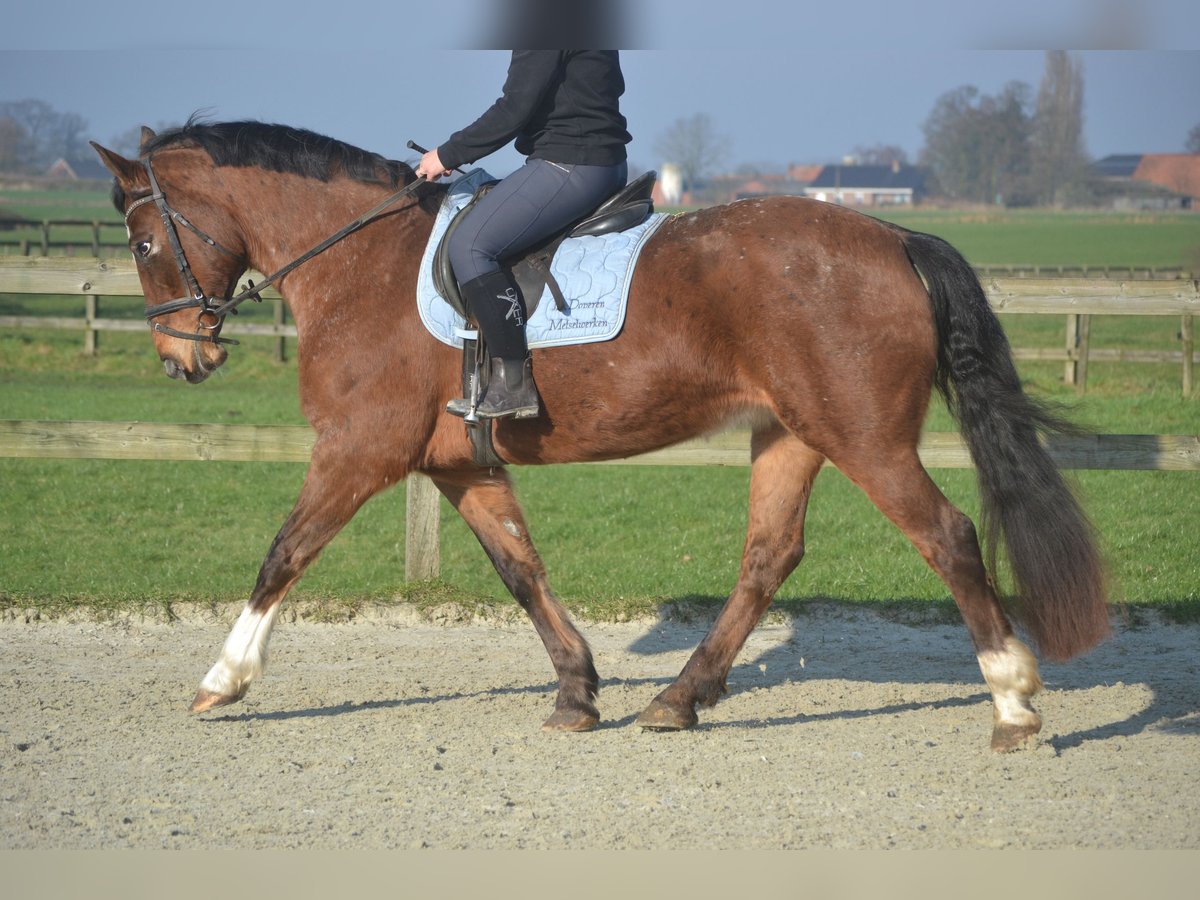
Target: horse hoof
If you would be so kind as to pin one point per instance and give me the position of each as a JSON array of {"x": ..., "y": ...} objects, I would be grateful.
[
  {"x": 206, "y": 700},
  {"x": 571, "y": 720},
  {"x": 1006, "y": 738},
  {"x": 659, "y": 716}
]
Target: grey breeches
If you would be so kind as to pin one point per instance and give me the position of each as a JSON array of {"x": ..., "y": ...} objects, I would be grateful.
[{"x": 529, "y": 205}]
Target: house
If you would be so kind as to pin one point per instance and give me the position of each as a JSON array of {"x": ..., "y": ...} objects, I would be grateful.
[
  {"x": 1178, "y": 172},
  {"x": 727, "y": 188},
  {"x": 62, "y": 169},
  {"x": 854, "y": 185},
  {"x": 77, "y": 169},
  {"x": 1160, "y": 181}
]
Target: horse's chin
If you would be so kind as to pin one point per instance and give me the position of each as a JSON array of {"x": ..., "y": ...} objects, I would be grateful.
[{"x": 198, "y": 371}]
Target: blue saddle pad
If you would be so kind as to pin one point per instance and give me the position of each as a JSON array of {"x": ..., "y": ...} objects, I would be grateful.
[{"x": 593, "y": 271}]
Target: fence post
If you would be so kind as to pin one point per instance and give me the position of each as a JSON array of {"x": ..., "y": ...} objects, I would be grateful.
[
  {"x": 45, "y": 238},
  {"x": 422, "y": 553},
  {"x": 1188, "y": 336},
  {"x": 95, "y": 238},
  {"x": 281, "y": 341},
  {"x": 1071, "y": 368},
  {"x": 1081, "y": 364},
  {"x": 91, "y": 337}
]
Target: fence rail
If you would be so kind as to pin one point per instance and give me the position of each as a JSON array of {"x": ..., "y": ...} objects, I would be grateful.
[
  {"x": 43, "y": 244},
  {"x": 293, "y": 443},
  {"x": 1075, "y": 298},
  {"x": 1016, "y": 270},
  {"x": 93, "y": 278}
]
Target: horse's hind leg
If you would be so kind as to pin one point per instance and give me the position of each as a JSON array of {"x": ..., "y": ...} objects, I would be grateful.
[
  {"x": 781, "y": 479},
  {"x": 487, "y": 504},
  {"x": 946, "y": 538}
]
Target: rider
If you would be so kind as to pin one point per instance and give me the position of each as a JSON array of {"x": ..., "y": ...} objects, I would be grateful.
[{"x": 562, "y": 108}]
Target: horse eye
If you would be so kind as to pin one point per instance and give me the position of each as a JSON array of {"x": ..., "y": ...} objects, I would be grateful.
[{"x": 143, "y": 249}]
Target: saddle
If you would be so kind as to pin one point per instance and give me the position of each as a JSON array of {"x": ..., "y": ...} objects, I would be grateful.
[{"x": 627, "y": 208}]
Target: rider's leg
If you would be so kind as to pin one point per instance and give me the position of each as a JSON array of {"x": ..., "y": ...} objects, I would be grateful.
[{"x": 538, "y": 200}]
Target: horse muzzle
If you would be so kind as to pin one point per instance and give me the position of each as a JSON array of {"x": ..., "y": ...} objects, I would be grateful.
[{"x": 204, "y": 361}]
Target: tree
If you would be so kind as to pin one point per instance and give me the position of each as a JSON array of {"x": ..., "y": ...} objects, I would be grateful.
[
  {"x": 978, "y": 146},
  {"x": 1059, "y": 163},
  {"x": 695, "y": 147},
  {"x": 48, "y": 134},
  {"x": 881, "y": 155},
  {"x": 1192, "y": 145},
  {"x": 15, "y": 147}
]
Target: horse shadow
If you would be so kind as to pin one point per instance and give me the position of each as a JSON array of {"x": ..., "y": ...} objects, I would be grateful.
[
  {"x": 811, "y": 645},
  {"x": 807, "y": 649}
]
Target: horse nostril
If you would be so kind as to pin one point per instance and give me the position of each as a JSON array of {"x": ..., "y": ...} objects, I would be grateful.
[{"x": 173, "y": 369}]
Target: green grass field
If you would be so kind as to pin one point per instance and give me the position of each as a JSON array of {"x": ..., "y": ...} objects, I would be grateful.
[
  {"x": 616, "y": 540},
  {"x": 1047, "y": 238}
]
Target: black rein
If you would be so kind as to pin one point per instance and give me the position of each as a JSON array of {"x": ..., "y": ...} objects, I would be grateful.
[{"x": 220, "y": 308}]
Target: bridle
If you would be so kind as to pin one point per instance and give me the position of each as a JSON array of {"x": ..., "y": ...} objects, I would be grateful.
[{"x": 222, "y": 307}]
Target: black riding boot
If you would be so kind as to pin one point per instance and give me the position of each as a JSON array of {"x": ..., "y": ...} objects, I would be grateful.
[{"x": 500, "y": 314}]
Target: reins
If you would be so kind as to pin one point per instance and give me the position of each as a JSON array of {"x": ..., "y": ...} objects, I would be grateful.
[{"x": 220, "y": 308}]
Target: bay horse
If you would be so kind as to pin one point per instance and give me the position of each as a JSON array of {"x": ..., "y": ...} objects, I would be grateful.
[{"x": 824, "y": 328}]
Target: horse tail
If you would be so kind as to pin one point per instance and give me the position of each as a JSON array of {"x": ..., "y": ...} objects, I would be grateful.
[{"x": 1027, "y": 505}]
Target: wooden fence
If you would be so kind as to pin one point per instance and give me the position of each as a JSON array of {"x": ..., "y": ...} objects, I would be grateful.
[
  {"x": 95, "y": 245},
  {"x": 293, "y": 443},
  {"x": 93, "y": 278},
  {"x": 1075, "y": 298}
]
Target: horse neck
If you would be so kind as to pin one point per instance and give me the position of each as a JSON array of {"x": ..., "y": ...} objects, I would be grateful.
[{"x": 282, "y": 216}]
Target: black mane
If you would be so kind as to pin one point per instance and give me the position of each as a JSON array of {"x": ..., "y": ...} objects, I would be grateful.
[
  {"x": 278, "y": 148},
  {"x": 281, "y": 148}
]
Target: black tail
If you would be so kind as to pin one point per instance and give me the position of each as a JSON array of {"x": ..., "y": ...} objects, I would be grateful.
[{"x": 1026, "y": 503}]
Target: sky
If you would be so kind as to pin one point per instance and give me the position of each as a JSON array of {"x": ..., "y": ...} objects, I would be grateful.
[{"x": 786, "y": 81}]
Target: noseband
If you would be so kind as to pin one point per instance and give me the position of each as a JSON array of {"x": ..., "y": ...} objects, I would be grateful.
[{"x": 222, "y": 307}]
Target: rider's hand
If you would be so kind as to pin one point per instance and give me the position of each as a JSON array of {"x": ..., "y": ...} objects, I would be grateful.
[{"x": 431, "y": 166}]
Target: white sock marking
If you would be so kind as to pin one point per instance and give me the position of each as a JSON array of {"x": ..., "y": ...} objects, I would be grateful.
[
  {"x": 244, "y": 655},
  {"x": 1012, "y": 675}
]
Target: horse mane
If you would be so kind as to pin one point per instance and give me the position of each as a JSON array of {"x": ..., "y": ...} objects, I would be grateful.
[
  {"x": 278, "y": 148},
  {"x": 282, "y": 148}
]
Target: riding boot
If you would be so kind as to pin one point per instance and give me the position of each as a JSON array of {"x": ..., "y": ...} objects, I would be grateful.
[{"x": 500, "y": 313}]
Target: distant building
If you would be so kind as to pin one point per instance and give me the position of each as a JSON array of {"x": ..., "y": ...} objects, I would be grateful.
[
  {"x": 727, "y": 188},
  {"x": 669, "y": 186},
  {"x": 62, "y": 169},
  {"x": 1159, "y": 181},
  {"x": 78, "y": 169},
  {"x": 855, "y": 185},
  {"x": 1178, "y": 172}
]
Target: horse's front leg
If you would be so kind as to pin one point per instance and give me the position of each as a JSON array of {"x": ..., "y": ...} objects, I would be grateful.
[
  {"x": 334, "y": 489},
  {"x": 486, "y": 502}
]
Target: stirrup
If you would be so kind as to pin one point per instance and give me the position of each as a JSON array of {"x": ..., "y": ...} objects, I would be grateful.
[
  {"x": 460, "y": 407},
  {"x": 510, "y": 391}
]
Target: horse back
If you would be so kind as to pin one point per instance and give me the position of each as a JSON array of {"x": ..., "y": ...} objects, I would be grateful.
[{"x": 775, "y": 306}]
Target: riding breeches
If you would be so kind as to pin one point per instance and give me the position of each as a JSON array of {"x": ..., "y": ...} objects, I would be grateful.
[{"x": 539, "y": 199}]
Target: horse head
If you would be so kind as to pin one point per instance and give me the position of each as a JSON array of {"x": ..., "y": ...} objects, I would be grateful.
[{"x": 185, "y": 273}]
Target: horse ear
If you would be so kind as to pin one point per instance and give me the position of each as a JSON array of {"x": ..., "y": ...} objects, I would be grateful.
[
  {"x": 126, "y": 171},
  {"x": 148, "y": 134}
]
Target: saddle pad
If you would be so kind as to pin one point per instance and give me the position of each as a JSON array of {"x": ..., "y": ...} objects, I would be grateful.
[{"x": 593, "y": 271}]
